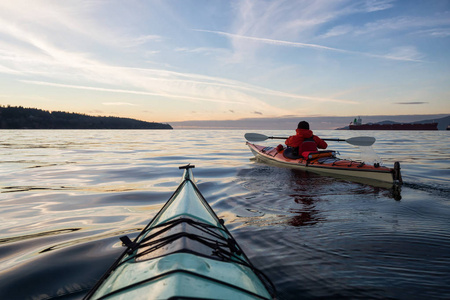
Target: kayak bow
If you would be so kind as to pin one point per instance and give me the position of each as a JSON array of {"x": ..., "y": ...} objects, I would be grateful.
[{"x": 185, "y": 252}]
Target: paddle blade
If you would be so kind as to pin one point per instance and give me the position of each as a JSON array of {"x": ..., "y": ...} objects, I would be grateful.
[
  {"x": 255, "y": 137},
  {"x": 361, "y": 140}
]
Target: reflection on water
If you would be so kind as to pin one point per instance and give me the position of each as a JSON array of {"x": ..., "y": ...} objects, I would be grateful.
[
  {"x": 37, "y": 235},
  {"x": 305, "y": 217},
  {"x": 308, "y": 215},
  {"x": 15, "y": 189},
  {"x": 305, "y": 196},
  {"x": 92, "y": 238},
  {"x": 67, "y": 197}
]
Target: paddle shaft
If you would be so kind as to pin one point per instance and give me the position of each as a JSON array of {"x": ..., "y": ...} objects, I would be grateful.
[{"x": 284, "y": 138}]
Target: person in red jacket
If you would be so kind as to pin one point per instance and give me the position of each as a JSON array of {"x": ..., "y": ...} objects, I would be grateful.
[{"x": 304, "y": 140}]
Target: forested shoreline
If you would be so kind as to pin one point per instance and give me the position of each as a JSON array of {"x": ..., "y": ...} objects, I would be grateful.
[{"x": 18, "y": 117}]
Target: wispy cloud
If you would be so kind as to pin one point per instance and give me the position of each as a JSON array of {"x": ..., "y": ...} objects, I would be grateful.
[
  {"x": 410, "y": 24},
  {"x": 407, "y": 53},
  {"x": 435, "y": 32},
  {"x": 7, "y": 70},
  {"x": 338, "y": 31},
  {"x": 118, "y": 104},
  {"x": 272, "y": 41},
  {"x": 128, "y": 92},
  {"x": 377, "y": 5},
  {"x": 203, "y": 50},
  {"x": 140, "y": 40},
  {"x": 411, "y": 103},
  {"x": 286, "y": 20},
  {"x": 314, "y": 46}
]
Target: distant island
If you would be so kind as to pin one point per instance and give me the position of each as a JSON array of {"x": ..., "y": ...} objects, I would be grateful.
[
  {"x": 435, "y": 124},
  {"x": 17, "y": 117}
]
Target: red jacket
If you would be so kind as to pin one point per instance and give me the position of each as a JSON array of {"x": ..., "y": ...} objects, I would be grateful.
[{"x": 302, "y": 134}]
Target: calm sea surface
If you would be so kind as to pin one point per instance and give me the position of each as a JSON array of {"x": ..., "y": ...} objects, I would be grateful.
[{"x": 67, "y": 196}]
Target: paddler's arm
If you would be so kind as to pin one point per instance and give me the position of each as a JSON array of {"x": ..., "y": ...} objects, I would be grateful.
[{"x": 321, "y": 144}]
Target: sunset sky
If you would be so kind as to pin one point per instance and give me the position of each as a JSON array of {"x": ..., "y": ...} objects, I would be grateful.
[{"x": 178, "y": 60}]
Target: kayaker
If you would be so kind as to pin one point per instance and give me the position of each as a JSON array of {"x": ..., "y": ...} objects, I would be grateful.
[{"x": 303, "y": 141}]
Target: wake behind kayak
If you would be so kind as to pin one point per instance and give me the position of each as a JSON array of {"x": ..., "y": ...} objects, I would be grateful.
[{"x": 185, "y": 252}]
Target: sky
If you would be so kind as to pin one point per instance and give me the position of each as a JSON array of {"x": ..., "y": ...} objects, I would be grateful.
[{"x": 179, "y": 60}]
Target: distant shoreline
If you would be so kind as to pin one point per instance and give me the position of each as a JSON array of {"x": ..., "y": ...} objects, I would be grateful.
[
  {"x": 316, "y": 123},
  {"x": 17, "y": 117}
]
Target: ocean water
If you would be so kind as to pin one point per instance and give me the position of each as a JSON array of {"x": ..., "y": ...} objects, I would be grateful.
[{"x": 67, "y": 196}]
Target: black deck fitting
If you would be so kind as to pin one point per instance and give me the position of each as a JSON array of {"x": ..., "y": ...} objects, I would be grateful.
[{"x": 188, "y": 166}]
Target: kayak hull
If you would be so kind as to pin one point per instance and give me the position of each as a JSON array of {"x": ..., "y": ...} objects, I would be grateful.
[
  {"x": 184, "y": 252},
  {"x": 328, "y": 165}
]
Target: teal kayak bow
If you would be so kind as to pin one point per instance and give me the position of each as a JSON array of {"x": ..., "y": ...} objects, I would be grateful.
[{"x": 185, "y": 252}]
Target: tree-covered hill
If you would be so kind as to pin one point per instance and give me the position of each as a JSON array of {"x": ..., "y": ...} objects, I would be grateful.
[{"x": 13, "y": 117}]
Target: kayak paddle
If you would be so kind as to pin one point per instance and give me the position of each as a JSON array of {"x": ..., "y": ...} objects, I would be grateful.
[{"x": 357, "y": 141}]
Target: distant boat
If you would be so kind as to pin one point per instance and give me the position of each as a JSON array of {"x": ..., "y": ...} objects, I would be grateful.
[{"x": 357, "y": 125}]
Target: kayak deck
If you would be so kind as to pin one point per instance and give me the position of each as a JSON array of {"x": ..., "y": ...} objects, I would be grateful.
[
  {"x": 184, "y": 252},
  {"x": 327, "y": 165}
]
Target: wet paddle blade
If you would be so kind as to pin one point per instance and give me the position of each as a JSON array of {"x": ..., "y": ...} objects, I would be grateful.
[
  {"x": 255, "y": 137},
  {"x": 361, "y": 140}
]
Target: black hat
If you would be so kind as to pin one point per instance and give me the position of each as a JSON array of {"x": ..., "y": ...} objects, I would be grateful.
[{"x": 303, "y": 125}]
